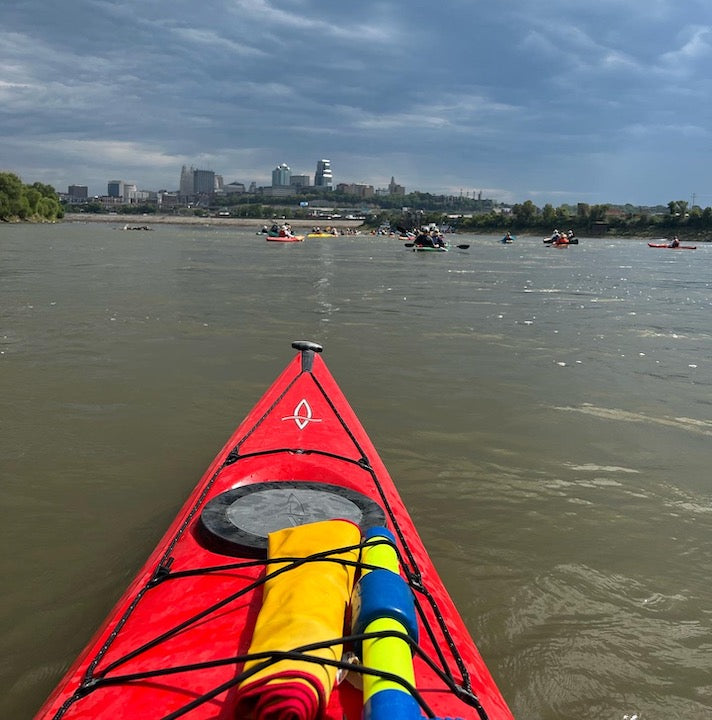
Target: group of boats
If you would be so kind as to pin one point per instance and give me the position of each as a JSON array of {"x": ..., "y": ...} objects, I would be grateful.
[
  {"x": 431, "y": 239},
  {"x": 561, "y": 239},
  {"x": 280, "y": 233},
  {"x": 284, "y": 233},
  {"x": 291, "y": 584},
  {"x": 428, "y": 239}
]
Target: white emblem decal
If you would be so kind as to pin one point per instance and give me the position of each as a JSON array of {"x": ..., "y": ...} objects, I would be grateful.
[{"x": 302, "y": 415}]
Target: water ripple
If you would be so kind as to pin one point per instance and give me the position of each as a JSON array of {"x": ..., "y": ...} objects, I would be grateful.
[{"x": 692, "y": 425}]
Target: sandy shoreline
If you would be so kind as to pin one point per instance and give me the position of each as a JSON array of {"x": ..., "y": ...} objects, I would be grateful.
[{"x": 257, "y": 223}]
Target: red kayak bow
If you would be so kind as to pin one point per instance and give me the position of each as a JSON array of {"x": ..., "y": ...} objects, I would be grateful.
[{"x": 292, "y": 581}]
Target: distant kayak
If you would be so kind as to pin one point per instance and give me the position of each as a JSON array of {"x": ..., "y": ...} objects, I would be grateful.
[
  {"x": 665, "y": 246},
  {"x": 554, "y": 241},
  {"x": 428, "y": 248},
  {"x": 285, "y": 238},
  {"x": 508, "y": 239}
]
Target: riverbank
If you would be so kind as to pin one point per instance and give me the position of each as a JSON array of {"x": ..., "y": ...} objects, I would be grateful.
[{"x": 257, "y": 223}]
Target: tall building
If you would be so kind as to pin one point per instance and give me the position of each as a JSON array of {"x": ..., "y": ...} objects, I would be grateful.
[
  {"x": 281, "y": 176},
  {"x": 115, "y": 188},
  {"x": 198, "y": 182},
  {"x": 394, "y": 188},
  {"x": 203, "y": 182},
  {"x": 185, "y": 189},
  {"x": 323, "y": 177}
]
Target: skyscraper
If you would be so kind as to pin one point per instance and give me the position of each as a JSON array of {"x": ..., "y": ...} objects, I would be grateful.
[
  {"x": 115, "y": 188},
  {"x": 203, "y": 182},
  {"x": 323, "y": 177},
  {"x": 196, "y": 182},
  {"x": 186, "y": 182},
  {"x": 281, "y": 176}
]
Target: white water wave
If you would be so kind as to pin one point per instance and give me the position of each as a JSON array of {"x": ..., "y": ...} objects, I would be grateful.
[
  {"x": 592, "y": 467},
  {"x": 700, "y": 427}
]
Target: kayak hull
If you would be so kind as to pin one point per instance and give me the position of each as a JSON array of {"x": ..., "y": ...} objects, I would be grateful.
[
  {"x": 664, "y": 246},
  {"x": 175, "y": 643},
  {"x": 289, "y": 238}
]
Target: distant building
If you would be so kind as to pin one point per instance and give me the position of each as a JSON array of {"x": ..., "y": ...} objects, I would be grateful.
[
  {"x": 77, "y": 193},
  {"x": 362, "y": 191},
  {"x": 234, "y": 187},
  {"x": 121, "y": 191},
  {"x": 185, "y": 188},
  {"x": 168, "y": 199},
  {"x": 281, "y": 176},
  {"x": 203, "y": 182},
  {"x": 323, "y": 177},
  {"x": 115, "y": 188},
  {"x": 198, "y": 182},
  {"x": 300, "y": 181},
  {"x": 394, "y": 188}
]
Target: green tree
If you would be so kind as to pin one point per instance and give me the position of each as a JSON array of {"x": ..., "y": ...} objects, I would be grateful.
[
  {"x": 548, "y": 215},
  {"x": 27, "y": 202},
  {"x": 10, "y": 194},
  {"x": 524, "y": 213}
]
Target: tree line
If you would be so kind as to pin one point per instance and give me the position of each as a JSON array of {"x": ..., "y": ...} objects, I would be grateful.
[{"x": 27, "y": 202}]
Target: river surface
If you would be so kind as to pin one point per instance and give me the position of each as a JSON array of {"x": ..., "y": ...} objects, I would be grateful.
[{"x": 546, "y": 415}]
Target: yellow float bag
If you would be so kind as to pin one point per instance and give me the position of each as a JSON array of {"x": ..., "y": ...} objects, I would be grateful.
[{"x": 302, "y": 605}]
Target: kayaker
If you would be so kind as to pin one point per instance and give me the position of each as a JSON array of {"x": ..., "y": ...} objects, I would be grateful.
[
  {"x": 437, "y": 239},
  {"x": 424, "y": 240},
  {"x": 675, "y": 242}
]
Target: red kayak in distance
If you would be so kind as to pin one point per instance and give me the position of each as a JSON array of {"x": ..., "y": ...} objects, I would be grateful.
[
  {"x": 292, "y": 583},
  {"x": 665, "y": 246},
  {"x": 285, "y": 238}
]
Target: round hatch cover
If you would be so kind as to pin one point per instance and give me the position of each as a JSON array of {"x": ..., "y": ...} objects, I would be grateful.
[{"x": 238, "y": 521}]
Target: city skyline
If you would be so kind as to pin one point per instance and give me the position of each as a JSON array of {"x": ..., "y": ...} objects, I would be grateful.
[
  {"x": 204, "y": 181},
  {"x": 555, "y": 103}
]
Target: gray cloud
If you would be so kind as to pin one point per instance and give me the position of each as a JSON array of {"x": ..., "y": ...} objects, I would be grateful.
[{"x": 549, "y": 101}]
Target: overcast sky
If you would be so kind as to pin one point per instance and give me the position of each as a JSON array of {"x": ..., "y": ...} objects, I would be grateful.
[{"x": 557, "y": 101}]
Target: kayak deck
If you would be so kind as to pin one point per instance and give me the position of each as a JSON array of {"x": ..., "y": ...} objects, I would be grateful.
[{"x": 177, "y": 642}]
